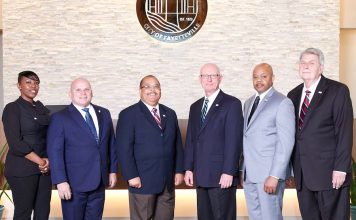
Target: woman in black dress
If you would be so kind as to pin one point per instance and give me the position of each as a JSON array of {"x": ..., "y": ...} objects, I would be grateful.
[{"x": 26, "y": 166}]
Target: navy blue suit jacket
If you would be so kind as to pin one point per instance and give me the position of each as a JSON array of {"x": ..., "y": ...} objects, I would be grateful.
[
  {"x": 74, "y": 155},
  {"x": 148, "y": 152},
  {"x": 215, "y": 147}
]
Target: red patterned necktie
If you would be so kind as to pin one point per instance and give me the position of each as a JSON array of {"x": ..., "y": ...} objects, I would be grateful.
[
  {"x": 156, "y": 117},
  {"x": 303, "y": 110}
]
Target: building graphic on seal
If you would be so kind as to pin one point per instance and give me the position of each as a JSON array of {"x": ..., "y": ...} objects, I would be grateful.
[{"x": 171, "y": 20}]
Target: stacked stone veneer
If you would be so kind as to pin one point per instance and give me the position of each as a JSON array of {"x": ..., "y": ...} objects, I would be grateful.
[{"x": 103, "y": 41}]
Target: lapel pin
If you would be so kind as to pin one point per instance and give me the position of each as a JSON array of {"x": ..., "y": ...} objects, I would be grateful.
[
  {"x": 164, "y": 115},
  {"x": 99, "y": 111},
  {"x": 217, "y": 105},
  {"x": 320, "y": 92},
  {"x": 35, "y": 118}
]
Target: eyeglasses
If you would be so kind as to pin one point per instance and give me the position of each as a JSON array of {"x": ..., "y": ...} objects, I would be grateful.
[
  {"x": 151, "y": 87},
  {"x": 211, "y": 76},
  {"x": 80, "y": 91}
]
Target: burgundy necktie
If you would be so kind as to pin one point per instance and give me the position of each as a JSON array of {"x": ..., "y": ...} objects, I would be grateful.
[
  {"x": 303, "y": 110},
  {"x": 157, "y": 118}
]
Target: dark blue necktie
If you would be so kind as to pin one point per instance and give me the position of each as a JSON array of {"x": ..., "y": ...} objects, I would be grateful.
[{"x": 90, "y": 123}]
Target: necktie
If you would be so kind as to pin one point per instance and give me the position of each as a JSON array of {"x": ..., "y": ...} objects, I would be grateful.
[
  {"x": 156, "y": 117},
  {"x": 90, "y": 123},
  {"x": 255, "y": 104},
  {"x": 204, "y": 111},
  {"x": 303, "y": 110}
]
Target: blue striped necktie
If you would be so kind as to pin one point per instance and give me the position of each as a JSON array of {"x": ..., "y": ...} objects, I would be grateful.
[
  {"x": 90, "y": 123},
  {"x": 204, "y": 111}
]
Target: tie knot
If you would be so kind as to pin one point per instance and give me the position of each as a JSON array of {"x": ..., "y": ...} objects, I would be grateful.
[
  {"x": 307, "y": 92},
  {"x": 206, "y": 100},
  {"x": 257, "y": 99},
  {"x": 86, "y": 110},
  {"x": 154, "y": 110}
]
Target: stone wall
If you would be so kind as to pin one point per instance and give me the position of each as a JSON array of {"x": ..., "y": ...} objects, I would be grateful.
[{"x": 103, "y": 41}]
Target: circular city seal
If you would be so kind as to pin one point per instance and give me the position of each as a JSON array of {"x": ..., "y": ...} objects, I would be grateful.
[{"x": 171, "y": 20}]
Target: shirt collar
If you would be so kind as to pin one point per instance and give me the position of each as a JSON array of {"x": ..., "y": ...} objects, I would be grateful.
[
  {"x": 213, "y": 96},
  {"x": 80, "y": 108},
  {"x": 151, "y": 107},
  {"x": 263, "y": 94},
  {"x": 312, "y": 88}
]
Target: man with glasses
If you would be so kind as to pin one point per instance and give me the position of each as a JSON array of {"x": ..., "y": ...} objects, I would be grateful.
[
  {"x": 83, "y": 159},
  {"x": 323, "y": 142},
  {"x": 213, "y": 147},
  {"x": 150, "y": 153}
]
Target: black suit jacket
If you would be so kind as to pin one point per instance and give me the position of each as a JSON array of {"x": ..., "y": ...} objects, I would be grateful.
[
  {"x": 324, "y": 143},
  {"x": 25, "y": 127}
]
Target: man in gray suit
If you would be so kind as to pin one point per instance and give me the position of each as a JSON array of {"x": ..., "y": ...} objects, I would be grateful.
[{"x": 269, "y": 131}]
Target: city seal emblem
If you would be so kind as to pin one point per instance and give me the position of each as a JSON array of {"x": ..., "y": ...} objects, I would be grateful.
[{"x": 171, "y": 20}]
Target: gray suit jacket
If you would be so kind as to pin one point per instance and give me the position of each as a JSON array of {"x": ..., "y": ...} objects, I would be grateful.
[{"x": 269, "y": 137}]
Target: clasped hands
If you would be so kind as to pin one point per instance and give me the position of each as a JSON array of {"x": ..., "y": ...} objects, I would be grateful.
[{"x": 44, "y": 167}]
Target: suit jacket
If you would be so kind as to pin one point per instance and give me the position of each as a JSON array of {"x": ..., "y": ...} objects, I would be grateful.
[
  {"x": 74, "y": 155},
  {"x": 324, "y": 143},
  {"x": 25, "y": 126},
  {"x": 269, "y": 137},
  {"x": 215, "y": 147},
  {"x": 148, "y": 152}
]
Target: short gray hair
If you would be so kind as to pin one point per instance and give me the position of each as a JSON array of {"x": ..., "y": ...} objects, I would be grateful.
[{"x": 314, "y": 51}]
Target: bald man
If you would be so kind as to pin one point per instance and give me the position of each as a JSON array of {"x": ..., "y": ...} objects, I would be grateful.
[
  {"x": 82, "y": 155},
  {"x": 269, "y": 130},
  {"x": 213, "y": 147}
]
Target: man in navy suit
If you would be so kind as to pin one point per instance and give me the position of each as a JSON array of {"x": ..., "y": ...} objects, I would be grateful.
[
  {"x": 82, "y": 154},
  {"x": 150, "y": 154},
  {"x": 213, "y": 148},
  {"x": 323, "y": 142}
]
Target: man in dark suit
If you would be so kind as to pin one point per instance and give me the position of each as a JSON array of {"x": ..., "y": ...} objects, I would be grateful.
[
  {"x": 82, "y": 154},
  {"x": 213, "y": 148},
  {"x": 150, "y": 153},
  {"x": 322, "y": 152}
]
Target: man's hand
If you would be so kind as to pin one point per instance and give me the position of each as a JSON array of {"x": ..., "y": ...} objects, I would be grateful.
[
  {"x": 64, "y": 191},
  {"x": 112, "y": 180},
  {"x": 338, "y": 179},
  {"x": 225, "y": 181},
  {"x": 271, "y": 184},
  {"x": 290, "y": 182},
  {"x": 44, "y": 168},
  {"x": 178, "y": 179},
  {"x": 242, "y": 179},
  {"x": 135, "y": 182},
  {"x": 188, "y": 178}
]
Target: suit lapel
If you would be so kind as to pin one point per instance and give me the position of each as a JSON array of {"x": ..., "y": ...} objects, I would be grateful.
[
  {"x": 99, "y": 116},
  {"x": 163, "y": 115},
  {"x": 78, "y": 118},
  {"x": 148, "y": 115},
  {"x": 213, "y": 109},
  {"x": 318, "y": 94},
  {"x": 260, "y": 106},
  {"x": 247, "y": 109}
]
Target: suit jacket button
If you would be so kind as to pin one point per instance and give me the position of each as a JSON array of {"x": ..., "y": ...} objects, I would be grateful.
[{"x": 161, "y": 135}]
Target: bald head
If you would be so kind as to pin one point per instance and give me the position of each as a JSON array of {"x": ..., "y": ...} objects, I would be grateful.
[
  {"x": 80, "y": 92},
  {"x": 262, "y": 77}
]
